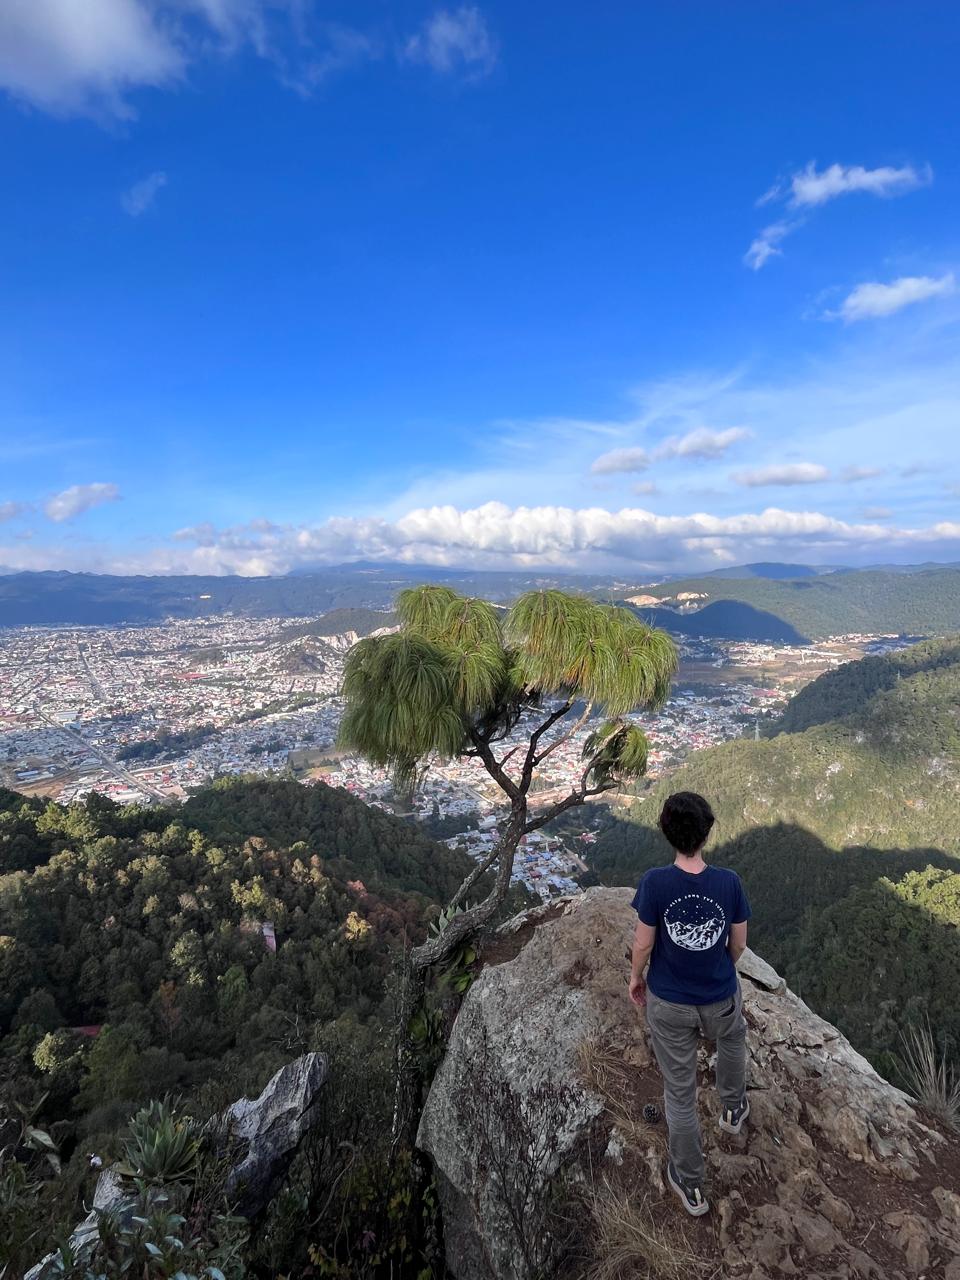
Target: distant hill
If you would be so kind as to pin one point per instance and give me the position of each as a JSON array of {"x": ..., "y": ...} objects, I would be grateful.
[
  {"x": 753, "y": 602},
  {"x": 925, "y": 602},
  {"x": 850, "y": 689},
  {"x": 89, "y": 599},
  {"x": 831, "y": 825},
  {"x": 773, "y": 569},
  {"x": 724, "y": 620},
  {"x": 339, "y": 621}
]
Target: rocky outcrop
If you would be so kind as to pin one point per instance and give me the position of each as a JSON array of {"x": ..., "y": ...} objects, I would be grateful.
[
  {"x": 546, "y": 1075},
  {"x": 261, "y": 1136},
  {"x": 264, "y": 1133},
  {"x": 107, "y": 1197}
]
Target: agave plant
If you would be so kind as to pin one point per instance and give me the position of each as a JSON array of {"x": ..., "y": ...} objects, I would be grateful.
[{"x": 162, "y": 1147}]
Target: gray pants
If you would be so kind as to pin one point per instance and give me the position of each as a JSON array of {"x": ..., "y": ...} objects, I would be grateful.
[{"x": 674, "y": 1031}]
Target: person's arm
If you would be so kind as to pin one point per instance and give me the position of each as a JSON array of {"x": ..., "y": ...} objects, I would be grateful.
[
  {"x": 738, "y": 941},
  {"x": 643, "y": 940}
]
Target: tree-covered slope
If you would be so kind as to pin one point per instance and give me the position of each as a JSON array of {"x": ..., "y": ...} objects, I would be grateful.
[
  {"x": 210, "y": 941},
  {"x": 826, "y": 826},
  {"x": 848, "y": 689},
  {"x": 921, "y": 603}
]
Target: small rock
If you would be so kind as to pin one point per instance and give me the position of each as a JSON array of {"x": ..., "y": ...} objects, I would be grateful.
[
  {"x": 816, "y": 1234},
  {"x": 948, "y": 1202}
]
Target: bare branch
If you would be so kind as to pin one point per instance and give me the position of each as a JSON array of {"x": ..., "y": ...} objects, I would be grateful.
[
  {"x": 502, "y": 779},
  {"x": 582, "y": 720},
  {"x": 531, "y": 756},
  {"x": 568, "y": 802},
  {"x": 475, "y": 875}
]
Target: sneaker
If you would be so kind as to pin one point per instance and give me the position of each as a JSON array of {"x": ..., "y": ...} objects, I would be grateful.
[
  {"x": 690, "y": 1193},
  {"x": 732, "y": 1118}
]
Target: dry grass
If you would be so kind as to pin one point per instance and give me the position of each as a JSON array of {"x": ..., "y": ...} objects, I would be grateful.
[
  {"x": 628, "y": 1244},
  {"x": 604, "y": 1070},
  {"x": 931, "y": 1079}
]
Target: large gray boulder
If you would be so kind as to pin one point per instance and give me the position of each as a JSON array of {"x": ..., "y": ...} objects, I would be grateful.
[
  {"x": 547, "y": 1071},
  {"x": 265, "y": 1133}
]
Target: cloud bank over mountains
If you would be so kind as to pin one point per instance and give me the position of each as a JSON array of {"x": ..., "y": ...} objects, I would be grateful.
[
  {"x": 878, "y": 463},
  {"x": 496, "y": 536}
]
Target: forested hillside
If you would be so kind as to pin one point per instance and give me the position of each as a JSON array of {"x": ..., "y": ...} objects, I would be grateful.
[
  {"x": 848, "y": 689},
  {"x": 846, "y": 834},
  {"x": 203, "y": 941},
  {"x": 190, "y": 952},
  {"x": 923, "y": 603}
]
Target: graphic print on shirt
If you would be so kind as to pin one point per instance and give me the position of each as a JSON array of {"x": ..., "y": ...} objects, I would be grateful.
[{"x": 694, "y": 922}]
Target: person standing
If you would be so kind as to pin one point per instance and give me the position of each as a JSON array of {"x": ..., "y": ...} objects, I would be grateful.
[{"x": 692, "y": 928}]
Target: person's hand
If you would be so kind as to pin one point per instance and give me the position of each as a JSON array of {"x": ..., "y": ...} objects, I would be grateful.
[{"x": 638, "y": 992}]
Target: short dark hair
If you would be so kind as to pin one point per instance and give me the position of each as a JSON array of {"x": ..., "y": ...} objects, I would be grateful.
[{"x": 686, "y": 819}]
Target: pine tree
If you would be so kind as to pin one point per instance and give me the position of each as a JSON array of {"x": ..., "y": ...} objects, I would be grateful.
[{"x": 460, "y": 676}]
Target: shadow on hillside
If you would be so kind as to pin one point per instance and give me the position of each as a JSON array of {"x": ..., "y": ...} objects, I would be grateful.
[
  {"x": 788, "y": 871},
  {"x": 869, "y": 957},
  {"x": 884, "y": 959},
  {"x": 725, "y": 620}
]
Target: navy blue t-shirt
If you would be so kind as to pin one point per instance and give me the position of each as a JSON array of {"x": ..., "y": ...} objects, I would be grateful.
[{"x": 692, "y": 914}]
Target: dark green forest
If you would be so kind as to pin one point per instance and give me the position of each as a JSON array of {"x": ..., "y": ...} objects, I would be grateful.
[
  {"x": 134, "y": 965},
  {"x": 925, "y": 603},
  {"x": 846, "y": 834}
]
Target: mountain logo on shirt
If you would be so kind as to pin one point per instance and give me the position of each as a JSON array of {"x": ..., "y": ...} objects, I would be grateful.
[{"x": 694, "y": 922}]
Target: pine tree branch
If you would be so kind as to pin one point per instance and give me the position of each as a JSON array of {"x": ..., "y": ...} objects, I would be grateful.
[
  {"x": 468, "y": 923},
  {"x": 502, "y": 779},
  {"x": 531, "y": 757},
  {"x": 575, "y": 798},
  {"x": 582, "y": 720},
  {"x": 475, "y": 875}
]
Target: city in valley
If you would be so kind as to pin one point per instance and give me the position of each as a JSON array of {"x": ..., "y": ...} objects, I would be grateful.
[{"x": 147, "y": 714}]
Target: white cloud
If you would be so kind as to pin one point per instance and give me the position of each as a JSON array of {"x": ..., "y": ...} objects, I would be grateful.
[
  {"x": 873, "y": 300},
  {"x": 809, "y": 187},
  {"x": 617, "y": 460},
  {"x": 766, "y": 245},
  {"x": 877, "y": 513},
  {"x": 702, "y": 442},
  {"x": 788, "y": 473},
  {"x": 644, "y": 487},
  {"x": 142, "y": 194},
  {"x": 67, "y": 57},
  {"x": 911, "y": 469},
  {"x": 853, "y": 474},
  {"x": 454, "y": 41},
  {"x": 497, "y": 536},
  {"x": 77, "y": 499},
  {"x": 343, "y": 49},
  {"x": 10, "y": 510},
  {"x": 88, "y": 57}
]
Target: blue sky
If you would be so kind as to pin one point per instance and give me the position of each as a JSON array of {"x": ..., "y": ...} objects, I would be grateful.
[{"x": 639, "y": 287}]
